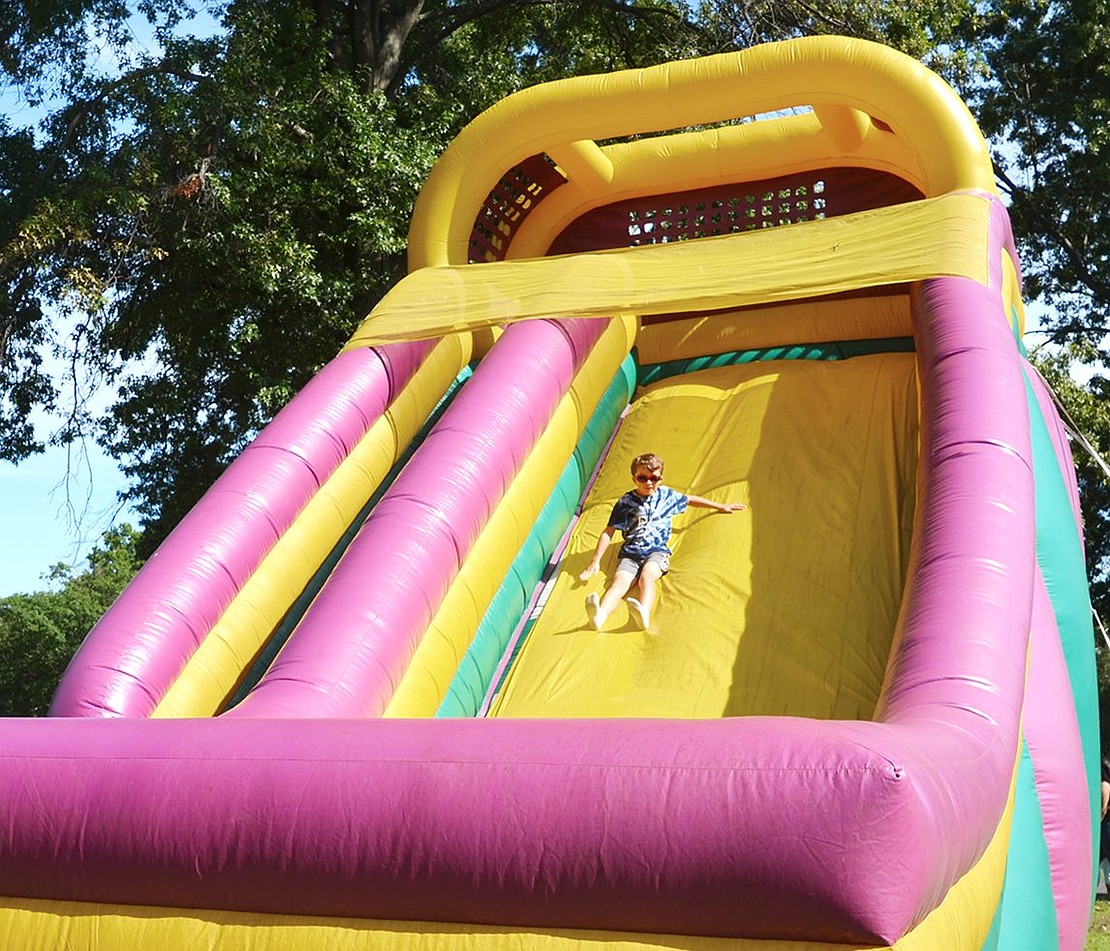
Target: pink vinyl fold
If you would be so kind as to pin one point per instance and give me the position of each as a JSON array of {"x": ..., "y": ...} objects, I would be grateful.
[
  {"x": 1051, "y": 733},
  {"x": 1058, "y": 434}
]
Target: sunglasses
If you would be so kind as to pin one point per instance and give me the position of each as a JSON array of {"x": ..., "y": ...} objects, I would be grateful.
[{"x": 649, "y": 478}]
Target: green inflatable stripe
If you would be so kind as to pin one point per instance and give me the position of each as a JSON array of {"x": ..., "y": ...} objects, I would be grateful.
[
  {"x": 835, "y": 350},
  {"x": 1060, "y": 556},
  {"x": 1026, "y": 913},
  {"x": 468, "y": 688}
]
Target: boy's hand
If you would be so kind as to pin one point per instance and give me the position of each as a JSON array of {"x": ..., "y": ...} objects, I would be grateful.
[
  {"x": 731, "y": 507},
  {"x": 587, "y": 572}
]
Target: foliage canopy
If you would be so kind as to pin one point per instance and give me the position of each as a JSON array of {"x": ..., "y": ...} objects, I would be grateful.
[
  {"x": 40, "y": 632},
  {"x": 201, "y": 221}
]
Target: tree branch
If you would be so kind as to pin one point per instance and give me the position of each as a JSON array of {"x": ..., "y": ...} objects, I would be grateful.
[
  {"x": 80, "y": 110},
  {"x": 1050, "y": 226},
  {"x": 439, "y": 25}
]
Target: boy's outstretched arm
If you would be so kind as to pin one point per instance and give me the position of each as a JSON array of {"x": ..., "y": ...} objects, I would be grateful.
[
  {"x": 727, "y": 507},
  {"x": 602, "y": 546}
]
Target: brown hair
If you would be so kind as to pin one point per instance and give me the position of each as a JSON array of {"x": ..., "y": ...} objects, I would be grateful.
[{"x": 647, "y": 460}]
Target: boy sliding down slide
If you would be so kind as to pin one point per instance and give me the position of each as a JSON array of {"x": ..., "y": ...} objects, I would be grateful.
[{"x": 643, "y": 517}]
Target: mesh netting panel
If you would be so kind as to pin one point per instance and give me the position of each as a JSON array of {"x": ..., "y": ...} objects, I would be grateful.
[
  {"x": 731, "y": 209},
  {"x": 506, "y": 207}
]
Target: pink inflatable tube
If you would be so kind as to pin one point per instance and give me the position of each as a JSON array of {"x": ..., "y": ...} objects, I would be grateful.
[
  {"x": 766, "y": 827},
  {"x": 181, "y": 592},
  {"x": 386, "y": 590},
  {"x": 707, "y": 827}
]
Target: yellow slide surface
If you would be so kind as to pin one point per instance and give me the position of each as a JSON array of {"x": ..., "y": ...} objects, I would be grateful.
[{"x": 714, "y": 649}]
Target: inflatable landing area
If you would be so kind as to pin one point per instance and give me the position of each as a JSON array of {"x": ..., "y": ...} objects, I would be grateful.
[{"x": 354, "y": 701}]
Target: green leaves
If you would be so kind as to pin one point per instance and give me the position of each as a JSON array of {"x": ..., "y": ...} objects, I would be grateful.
[
  {"x": 930, "y": 30},
  {"x": 40, "y": 632},
  {"x": 202, "y": 221},
  {"x": 1046, "y": 106},
  {"x": 217, "y": 215}
]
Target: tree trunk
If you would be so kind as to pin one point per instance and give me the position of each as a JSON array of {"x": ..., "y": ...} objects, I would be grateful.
[{"x": 378, "y": 32}]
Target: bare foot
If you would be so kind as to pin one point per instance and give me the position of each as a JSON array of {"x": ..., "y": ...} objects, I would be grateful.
[{"x": 593, "y": 611}]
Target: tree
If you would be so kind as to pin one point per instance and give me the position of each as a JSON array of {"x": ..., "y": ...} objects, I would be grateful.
[
  {"x": 930, "y": 30},
  {"x": 202, "y": 226},
  {"x": 39, "y": 633},
  {"x": 1044, "y": 105},
  {"x": 215, "y": 219}
]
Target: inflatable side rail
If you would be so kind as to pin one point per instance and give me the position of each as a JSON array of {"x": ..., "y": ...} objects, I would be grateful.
[
  {"x": 413, "y": 560},
  {"x": 224, "y": 578}
]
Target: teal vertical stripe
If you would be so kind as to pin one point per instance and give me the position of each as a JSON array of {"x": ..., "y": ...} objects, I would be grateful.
[
  {"x": 478, "y": 667},
  {"x": 1026, "y": 913},
  {"x": 1060, "y": 555},
  {"x": 1016, "y": 330},
  {"x": 990, "y": 943}
]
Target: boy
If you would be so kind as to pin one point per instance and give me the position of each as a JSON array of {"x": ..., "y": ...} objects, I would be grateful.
[{"x": 643, "y": 517}]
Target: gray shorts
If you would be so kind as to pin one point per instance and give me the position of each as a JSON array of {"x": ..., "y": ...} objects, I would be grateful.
[{"x": 633, "y": 564}]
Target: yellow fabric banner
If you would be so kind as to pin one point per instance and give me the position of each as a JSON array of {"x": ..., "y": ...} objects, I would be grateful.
[{"x": 944, "y": 236}]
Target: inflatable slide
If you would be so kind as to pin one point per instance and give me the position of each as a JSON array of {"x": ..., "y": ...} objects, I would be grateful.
[{"x": 354, "y": 701}]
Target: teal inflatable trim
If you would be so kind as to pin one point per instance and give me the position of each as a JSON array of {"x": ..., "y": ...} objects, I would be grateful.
[
  {"x": 1015, "y": 328},
  {"x": 1026, "y": 913},
  {"x": 468, "y": 688},
  {"x": 990, "y": 942},
  {"x": 1060, "y": 555},
  {"x": 835, "y": 350},
  {"x": 296, "y": 611}
]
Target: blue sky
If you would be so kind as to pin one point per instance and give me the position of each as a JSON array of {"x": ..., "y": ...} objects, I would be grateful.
[{"x": 48, "y": 519}]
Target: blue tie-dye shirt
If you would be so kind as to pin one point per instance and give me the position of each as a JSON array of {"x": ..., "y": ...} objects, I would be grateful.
[{"x": 645, "y": 523}]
